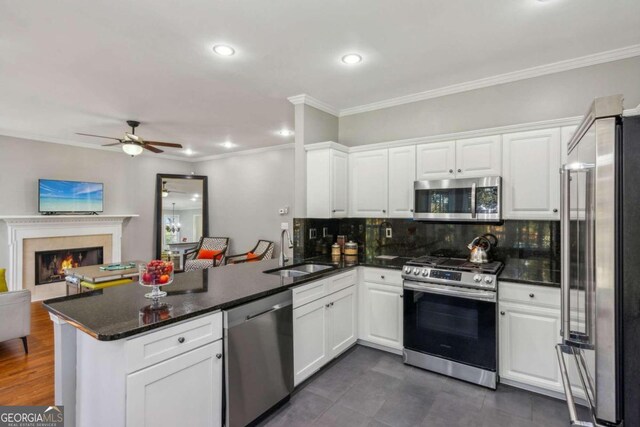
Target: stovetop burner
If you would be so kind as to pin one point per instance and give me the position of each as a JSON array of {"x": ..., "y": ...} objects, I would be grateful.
[{"x": 456, "y": 264}]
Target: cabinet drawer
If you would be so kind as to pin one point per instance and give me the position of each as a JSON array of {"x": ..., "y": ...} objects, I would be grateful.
[
  {"x": 383, "y": 276},
  {"x": 529, "y": 294},
  {"x": 310, "y": 292},
  {"x": 171, "y": 341},
  {"x": 340, "y": 281}
]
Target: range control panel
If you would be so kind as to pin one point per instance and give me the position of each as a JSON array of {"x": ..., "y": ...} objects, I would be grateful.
[{"x": 446, "y": 275}]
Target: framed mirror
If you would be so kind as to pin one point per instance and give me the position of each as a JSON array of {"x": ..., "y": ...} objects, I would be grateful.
[{"x": 182, "y": 215}]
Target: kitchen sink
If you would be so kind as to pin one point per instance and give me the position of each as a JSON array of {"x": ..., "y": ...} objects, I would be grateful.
[{"x": 299, "y": 270}]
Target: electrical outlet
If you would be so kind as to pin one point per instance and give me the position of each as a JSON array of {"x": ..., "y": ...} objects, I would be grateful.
[
  {"x": 388, "y": 232},
  {"x": 284, "y": 226},
  {"x": 325, "y": 231},
  {"x": 313, "y": 233}
]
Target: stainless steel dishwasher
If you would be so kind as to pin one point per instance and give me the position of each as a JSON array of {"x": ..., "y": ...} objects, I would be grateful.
[{"x": 258, "y": 339}]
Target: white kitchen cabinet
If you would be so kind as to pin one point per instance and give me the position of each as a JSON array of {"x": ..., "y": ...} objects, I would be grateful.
[
  {"x": 528, "y": 336},
  {"x": 531, "y": 180},
  {"x": 381, "y": 314},
  {"x": 402, "y": 174},
  {"x": 322, "y": 330},
  {"x": 187, "y": 387},
  {"x": 368, "y": 183},
  {"x": 477, "y": 157},
  {"x": 327, "y": 174},
  {"x": 436, "y": 160},
  {"x": 343, "y": 314},
  {"x": 310, "y": 339}
]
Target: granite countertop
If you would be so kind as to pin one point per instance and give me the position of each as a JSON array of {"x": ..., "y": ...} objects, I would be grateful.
[
  {"x": 114, "y": 313},
  {"x": 531, "y": 271}
]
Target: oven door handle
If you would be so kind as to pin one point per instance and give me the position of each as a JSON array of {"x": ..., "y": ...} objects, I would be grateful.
[{"x": 452, "y": 291}]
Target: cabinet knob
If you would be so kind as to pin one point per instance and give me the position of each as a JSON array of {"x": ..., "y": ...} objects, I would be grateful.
[
  {"x": 219, "y": 356},
  {"x": 450, "y": 170},
  {"x": 459, "y": 170},
  {"x": 334, "y": 211},
  {"x": 401, "y": 296},
  {"x": 181, "y": 340},
  {"x": 327, "y": 305},
  {"x": 411, "y": 210},
  {"x": 331, "y": 304},
  {"x": 382, "y": 277},
  {"x": 531, "y": 295},
  {"x": 502, "y": 313},
  {"x": 555, "y": 210},
  {"x": 384, "y": 211}
]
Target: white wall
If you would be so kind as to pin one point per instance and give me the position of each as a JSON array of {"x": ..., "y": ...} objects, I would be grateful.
[
  {"x": 554, "y": 96},
  {"x": 129, "y": 185},
  {"x": 245, "y": 193}
]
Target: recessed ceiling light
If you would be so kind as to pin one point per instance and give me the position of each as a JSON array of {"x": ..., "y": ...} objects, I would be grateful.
[
  {"x": 196, "y": 195},
  {"x": 224, "y": 50},
  {"x": 227, "y": 144},
  {"x": 285, "y": 132},
  {"x": 188, "y": 151},
  {"x": 351, "y": 58},
  {"x": 193, "y": 199}
]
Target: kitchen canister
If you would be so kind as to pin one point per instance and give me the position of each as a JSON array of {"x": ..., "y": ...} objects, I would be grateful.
[{"x": 351, "y": 248}]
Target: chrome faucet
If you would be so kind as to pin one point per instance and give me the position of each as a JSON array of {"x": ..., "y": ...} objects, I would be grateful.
[{"x": 283, "y": 258}]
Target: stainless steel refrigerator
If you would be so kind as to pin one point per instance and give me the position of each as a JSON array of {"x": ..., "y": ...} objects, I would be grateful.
[{"x": 600, "y": 230}]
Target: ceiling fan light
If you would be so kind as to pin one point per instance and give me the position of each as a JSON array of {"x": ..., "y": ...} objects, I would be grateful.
[
  {"x": 165, "y": 193},
  {"x": 132, "y": 149}
]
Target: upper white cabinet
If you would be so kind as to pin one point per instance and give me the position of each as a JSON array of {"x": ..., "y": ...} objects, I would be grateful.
[
  {"x": 436, "y": 160},
  {"x": 402, "y": 174},
  {"x": 368, "y": 183},
  {"x": 477, "y": 157},
  {"x": 327, "y": 183},
  {"x": 464, "y": 158},
  {"x": 531, "y": 180}
]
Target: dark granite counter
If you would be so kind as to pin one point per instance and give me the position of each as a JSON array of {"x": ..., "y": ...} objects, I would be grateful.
[
  {"x": 114, "y": 313},
  {"x": 529, "y": 271}
]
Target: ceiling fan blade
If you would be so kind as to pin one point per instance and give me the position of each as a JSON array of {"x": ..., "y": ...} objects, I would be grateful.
[
  {"x": 110, "y": 145},
  {"x": 97, "y": 136},
  {"x": 154, "y": 149},
  {"x": 163, "y": 144}
]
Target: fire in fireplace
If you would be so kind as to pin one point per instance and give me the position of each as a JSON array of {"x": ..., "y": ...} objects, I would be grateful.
[{"x": 50, "y": 265}]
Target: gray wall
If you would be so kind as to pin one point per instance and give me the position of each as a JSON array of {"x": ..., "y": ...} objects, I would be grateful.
[
  {"x": 553, "y": 96},
  {"x": 245, "y": 193},
  {"x": 129, "y": 185},
  {"x": 319, "y": 126}
]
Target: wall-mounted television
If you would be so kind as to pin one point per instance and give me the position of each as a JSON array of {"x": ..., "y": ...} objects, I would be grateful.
[{"x": 55, "y": 196}]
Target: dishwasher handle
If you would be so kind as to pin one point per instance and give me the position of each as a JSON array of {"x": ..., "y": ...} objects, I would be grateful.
[{"x": 274, "y": 308}]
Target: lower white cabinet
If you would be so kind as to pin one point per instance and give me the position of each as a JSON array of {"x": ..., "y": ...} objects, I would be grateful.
[
  {"x": 381, "y": 314},
  {"x": 186, "y": 388},
  {"x": 528, "y": 336},
  {"x": 322, "y": 329}
]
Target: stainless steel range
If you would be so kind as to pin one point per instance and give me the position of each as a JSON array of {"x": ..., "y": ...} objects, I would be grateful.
[{"x": 450, "y": 311}]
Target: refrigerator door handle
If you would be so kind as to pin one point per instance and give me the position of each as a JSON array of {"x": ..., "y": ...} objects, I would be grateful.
[
  {"x": 571, "y": 404},
  {"x": 565, "y": 181}
]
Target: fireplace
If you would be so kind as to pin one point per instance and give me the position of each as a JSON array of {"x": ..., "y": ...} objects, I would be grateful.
[{"x": 50, "y": 265}]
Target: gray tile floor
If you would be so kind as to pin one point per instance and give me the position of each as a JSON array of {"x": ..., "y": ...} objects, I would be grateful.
[{"x": 367, "y": 387}]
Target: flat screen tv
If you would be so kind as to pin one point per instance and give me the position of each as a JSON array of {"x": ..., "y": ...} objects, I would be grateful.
[{"x": 56, "y": 196}]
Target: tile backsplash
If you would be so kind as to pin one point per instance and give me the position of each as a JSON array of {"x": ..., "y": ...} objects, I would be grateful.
[{"x": 517, "y": 240}]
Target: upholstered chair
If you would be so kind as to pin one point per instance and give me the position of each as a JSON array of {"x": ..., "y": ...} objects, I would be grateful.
[
  {"x": 263, "y": 250},
  {"x": 15, "y": 316},
  {"x": 194, "y": 259}
]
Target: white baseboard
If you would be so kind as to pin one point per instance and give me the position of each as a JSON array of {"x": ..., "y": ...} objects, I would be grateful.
[
  {"x": 579, "y": 400},
  {"x": 380, "y": 347}
]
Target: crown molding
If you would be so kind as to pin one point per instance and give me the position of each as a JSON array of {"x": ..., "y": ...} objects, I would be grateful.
[
  {"x": 303, "y": 98},
  {"x": 542, "y": 70},
  {"x": 246, "y": 152},
  {"x": 326, "y": 144}
]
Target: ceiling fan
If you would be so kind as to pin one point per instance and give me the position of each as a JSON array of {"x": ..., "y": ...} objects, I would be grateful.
[
  {"x": 132, "y": 144},
  {"x": 166, "y": 191}
]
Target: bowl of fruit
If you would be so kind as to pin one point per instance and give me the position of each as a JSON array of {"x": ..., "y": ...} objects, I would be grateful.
[{"x": 156, "y": 273}]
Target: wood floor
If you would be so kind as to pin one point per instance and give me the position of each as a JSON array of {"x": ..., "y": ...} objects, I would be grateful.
[{"x": 28, "y": 379}]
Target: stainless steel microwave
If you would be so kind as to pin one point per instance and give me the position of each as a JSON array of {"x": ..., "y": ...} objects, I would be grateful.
[{"x": 468, "y": 199}]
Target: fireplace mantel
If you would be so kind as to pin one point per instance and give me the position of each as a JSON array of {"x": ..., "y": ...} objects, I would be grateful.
[{"x": 21, "y": 227}]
